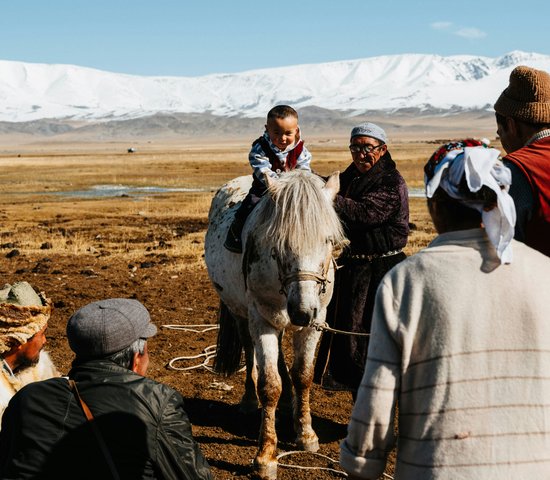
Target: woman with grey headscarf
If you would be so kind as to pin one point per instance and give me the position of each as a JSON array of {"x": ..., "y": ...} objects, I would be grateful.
[
  {"x": 373, "y": 205},
  {"x": 460, "y": 339}
]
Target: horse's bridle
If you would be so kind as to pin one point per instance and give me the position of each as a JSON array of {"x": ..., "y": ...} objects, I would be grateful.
[{"x": 303, "y": 275}]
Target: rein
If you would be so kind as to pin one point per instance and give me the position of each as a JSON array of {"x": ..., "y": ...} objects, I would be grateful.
[
  {"x": 303, "y": 275},
  {"x": 320, "y": 278},
  {"x": 324, "y": 326}
]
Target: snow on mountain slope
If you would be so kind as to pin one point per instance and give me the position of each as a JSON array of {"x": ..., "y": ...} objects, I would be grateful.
[{"x": 34, "y": 91}]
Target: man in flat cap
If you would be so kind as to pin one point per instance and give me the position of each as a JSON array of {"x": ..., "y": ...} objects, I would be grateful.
[
  {"x": 523, "y": 121},
  {"x": 106, "y": 419},
  {"x": 24, "y": 316}
]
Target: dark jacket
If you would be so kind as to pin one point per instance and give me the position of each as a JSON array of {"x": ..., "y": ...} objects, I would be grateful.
[
  {"x": 374, "y": 209},
  {"x": 148, "y": 434}
]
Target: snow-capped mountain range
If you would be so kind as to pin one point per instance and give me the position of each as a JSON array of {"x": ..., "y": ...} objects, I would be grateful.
[{"x": 31, "y": 91}]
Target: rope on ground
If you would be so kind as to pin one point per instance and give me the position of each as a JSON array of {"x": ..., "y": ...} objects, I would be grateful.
[
  {"x": 325, "y": 457},
  {"x": 301, "y": 467},
  {"x": 208, "y": 353},
  {"x": 193, "y": 328}
]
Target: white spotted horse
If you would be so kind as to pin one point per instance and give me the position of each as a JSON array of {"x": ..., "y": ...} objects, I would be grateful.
[{"x": 283, "y": 280}]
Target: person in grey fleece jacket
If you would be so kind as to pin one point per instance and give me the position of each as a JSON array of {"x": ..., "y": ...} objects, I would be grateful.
[{"x": 461, "y": 339}]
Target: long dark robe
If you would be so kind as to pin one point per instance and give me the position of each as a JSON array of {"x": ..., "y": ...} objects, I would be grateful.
[{"x": 374, "y": 209}]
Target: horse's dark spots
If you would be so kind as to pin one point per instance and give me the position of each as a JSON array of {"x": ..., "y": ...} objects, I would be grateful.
[
  {"x": 250, "y": 257},
  {"x": 287, "y": 266},
  {"x": 252, "y": 253}
]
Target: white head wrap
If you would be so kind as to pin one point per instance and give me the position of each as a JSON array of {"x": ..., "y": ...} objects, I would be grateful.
[{"x": 480, "y": 166}]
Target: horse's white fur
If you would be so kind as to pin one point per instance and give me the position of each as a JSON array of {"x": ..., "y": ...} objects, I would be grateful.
[
  {"x": 224, "y": 267},
  {"x": 296, "y": 222}
]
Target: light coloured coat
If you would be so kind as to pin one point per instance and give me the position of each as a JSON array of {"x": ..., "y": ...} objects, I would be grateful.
[{"x": 463, "y": 344}]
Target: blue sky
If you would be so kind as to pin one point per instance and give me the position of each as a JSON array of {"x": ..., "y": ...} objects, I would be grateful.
[{"x": 192, "y": 38}]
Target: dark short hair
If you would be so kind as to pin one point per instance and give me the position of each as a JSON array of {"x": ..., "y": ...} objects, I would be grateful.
[
  {"x": 282, "y": 111},
  {"x": 459, "y": 208},
  {"x": 501, "y": 119}
]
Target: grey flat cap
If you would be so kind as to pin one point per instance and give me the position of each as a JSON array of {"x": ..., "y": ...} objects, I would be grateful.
[
  {"x": 368, "y": 129},
  {"x": 108, "y": 326}
]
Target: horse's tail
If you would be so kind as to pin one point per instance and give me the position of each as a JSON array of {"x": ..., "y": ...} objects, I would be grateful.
[{"x": 229, "y": 344}]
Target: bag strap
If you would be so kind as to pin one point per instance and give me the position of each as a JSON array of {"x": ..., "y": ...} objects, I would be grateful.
[{"x": 89, "y": 417}]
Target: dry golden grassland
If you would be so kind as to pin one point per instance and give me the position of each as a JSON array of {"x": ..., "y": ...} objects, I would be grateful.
[
  {"x": 79, "y": 249},
  {"x": 28, "y": 180}
]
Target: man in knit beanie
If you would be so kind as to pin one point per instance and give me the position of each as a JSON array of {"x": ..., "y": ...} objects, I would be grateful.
[
  {"x": 523, "y": 125},
  {"x": 24, "y": 316}
]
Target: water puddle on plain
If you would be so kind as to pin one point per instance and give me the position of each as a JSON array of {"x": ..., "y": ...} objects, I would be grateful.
[
  {"x": 417, "y": 193},
  {"x": 102, "y": 191},
  {"x": 106, "y": 191}
]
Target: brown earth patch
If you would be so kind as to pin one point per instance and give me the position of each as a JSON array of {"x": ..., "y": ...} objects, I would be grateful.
[{"x": 150, "y": 247}]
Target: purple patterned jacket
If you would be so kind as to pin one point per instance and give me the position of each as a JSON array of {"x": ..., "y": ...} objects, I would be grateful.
[{"x": 374, "y": 208}]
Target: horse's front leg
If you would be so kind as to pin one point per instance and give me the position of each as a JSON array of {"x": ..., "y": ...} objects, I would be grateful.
[
  {"x": 304, "y": 344},
  {"x": 265, "y": 339}
]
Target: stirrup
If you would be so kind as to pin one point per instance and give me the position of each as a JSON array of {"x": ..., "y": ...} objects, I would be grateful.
[{"x": 233, "y": 243}]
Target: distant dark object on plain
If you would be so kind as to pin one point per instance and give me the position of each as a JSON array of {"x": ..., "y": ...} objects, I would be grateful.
[{"x": 131, "y": 150}]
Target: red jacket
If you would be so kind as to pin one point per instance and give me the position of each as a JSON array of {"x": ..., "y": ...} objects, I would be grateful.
[{"x": 534, "y": 161}]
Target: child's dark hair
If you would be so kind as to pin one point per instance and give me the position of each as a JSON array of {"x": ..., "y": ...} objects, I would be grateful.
[{"x": 281, "y": 112}]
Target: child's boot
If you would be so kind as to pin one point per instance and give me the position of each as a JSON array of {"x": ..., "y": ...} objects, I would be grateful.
[{"x": 233, "y": 241}]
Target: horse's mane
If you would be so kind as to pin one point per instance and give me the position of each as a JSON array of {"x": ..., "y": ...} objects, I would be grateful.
[{"x": 295, "y": 215}]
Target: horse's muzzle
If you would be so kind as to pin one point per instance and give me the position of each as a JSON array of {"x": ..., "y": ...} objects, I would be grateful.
[{"x": 301, "y": 318}]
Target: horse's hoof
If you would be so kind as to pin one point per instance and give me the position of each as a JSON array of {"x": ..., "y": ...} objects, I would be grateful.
[
  {"x": 309, "y": 444},
  {"x": 266, "y": 471}
]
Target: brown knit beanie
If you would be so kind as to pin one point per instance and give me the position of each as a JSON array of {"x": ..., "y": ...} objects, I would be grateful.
[{"x": 527, "y": 97}]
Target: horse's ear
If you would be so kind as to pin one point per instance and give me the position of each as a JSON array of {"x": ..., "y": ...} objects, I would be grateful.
[{"x": 333, "y": 184}]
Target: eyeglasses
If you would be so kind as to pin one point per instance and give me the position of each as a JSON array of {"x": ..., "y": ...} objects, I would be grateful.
[{"x": 363, "y": 148}]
